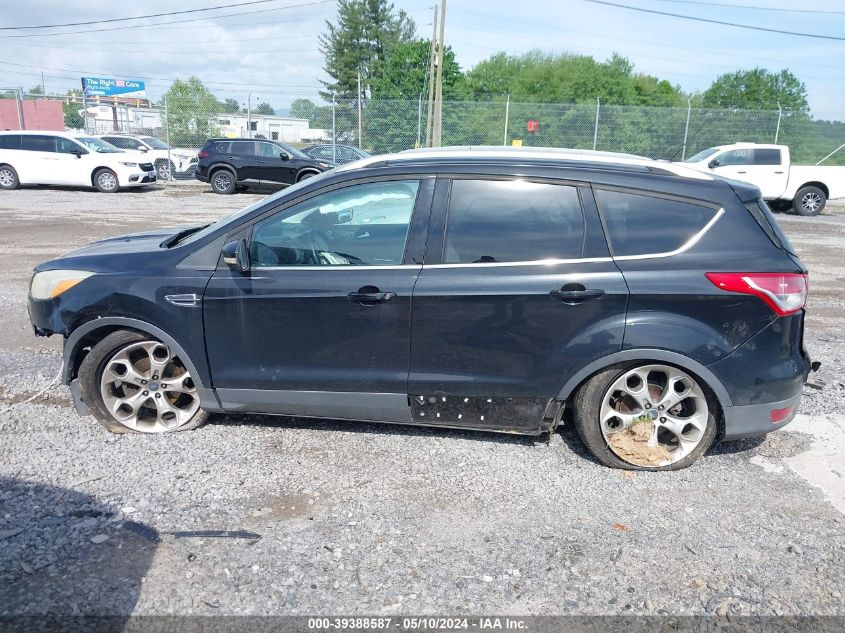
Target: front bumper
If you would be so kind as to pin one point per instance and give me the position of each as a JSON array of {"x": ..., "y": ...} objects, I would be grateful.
[{"x": 136, "y": 178}]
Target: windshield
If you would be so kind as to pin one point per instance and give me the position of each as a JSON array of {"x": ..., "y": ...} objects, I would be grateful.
[
  {"x": 98, "y": 145},
  {"x": 697, "y": 158},
  {"x": 237, "y": 215},
  {"x": 294, "y": 152},
  {"x": 154, "y": 142}
]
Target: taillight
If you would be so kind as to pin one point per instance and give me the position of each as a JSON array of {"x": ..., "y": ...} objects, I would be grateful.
[
  {"x": 202, "y": 154},
  {"x": 785, "y": 293}
]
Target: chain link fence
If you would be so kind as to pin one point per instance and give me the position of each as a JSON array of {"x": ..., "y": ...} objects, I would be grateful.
[{"x": 381, "y": 126}]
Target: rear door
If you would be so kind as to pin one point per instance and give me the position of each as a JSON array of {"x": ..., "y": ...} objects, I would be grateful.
[
  {"x": 516, "y": 294},
  {"x": 41, "y": 160}
]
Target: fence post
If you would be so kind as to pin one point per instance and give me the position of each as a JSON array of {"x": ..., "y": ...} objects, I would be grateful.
[
  {"x": 19, "y": 104},
  {"x": 596, "y": 130},
  {"x": 419, "y": 121},
  {"x": 334, "y": 129},
  {"x": 777, "y": 129},
  {"x": 686, "y": 130},
  {"x": 360, "y": 114},
  {"x": 507, "y": 119},
  {"x": 167, "y": 135}
]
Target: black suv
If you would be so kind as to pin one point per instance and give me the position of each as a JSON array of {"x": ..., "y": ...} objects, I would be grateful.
[
  {"x": 226, "y": 163},
  {"x": 657, "y": 308}
]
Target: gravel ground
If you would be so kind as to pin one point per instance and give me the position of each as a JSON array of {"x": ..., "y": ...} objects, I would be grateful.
[{"x": 331, "y": 517}]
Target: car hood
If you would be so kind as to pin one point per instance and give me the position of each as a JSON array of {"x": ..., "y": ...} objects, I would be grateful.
[{"x": 133, "y": 243}]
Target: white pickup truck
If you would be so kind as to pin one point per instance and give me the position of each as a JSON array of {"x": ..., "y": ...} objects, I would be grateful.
[{"x": 802, "y": 188}]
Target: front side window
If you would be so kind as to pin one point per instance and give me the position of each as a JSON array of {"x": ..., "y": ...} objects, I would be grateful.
[
  {"x": 98, "y": 145},
  {"x": 268, "y": 150},
  {"x": 38, "y": 143},
  {"x": 512, "y": 221},
  {"x": 155, "y": 143},
  {"x": 66, "y": 146},
  {"x": 645, "y": 225},
  {"x": 735, "y": 157},
  {"x": 122, "y": 142},
  {"x": 360, "y": 225}
]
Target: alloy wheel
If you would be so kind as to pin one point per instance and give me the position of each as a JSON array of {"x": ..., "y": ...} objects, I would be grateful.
[
  {"x": 148, "y": 389},
  {"x": 222, "y": 181},
  {"x": 668, "y": 403},
  {"x": 811, "y": 201},
  {"x": 7, "y": 178},
  {"x": 107, "y": 180}
]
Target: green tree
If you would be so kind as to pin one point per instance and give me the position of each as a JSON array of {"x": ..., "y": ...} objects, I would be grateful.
[
  {"x": 758, "y": 89},
  {"x": 264, "y": 108},
  {"x": 361, "y": 41},
  {"x": 72, "y": 107},
  {"x": 405, "y": 73},
  {"x": 302, "y": 109},
  {"x": 230, "y": 106},
  {"x": 191, "y": 110}
]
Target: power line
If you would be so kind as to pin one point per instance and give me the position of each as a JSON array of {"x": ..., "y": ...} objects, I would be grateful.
[
  {"x": 746, "y": 6},
  {"x": 723, "y": 23},
  {"x": 143, "y": 26},
  {"x": 138, "y": 17}
]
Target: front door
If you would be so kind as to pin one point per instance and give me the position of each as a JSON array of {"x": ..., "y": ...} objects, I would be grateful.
[
  {"x": 322, "y": 319},
  {"x": 271, "y": 166},
  {"x": 517, "y": 293}
]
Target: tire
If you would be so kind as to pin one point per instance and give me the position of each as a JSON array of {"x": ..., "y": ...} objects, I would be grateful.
[
  {"x": 9, "y": 177},
  {"x": 223, "y": 181},
  {"x": 105, "y": 181},
  {"x": 165, "y": 169},
  {"x": 603, "y": 388},
  {"x": 809, "y": 201},
  {"x": 307, "y": 174},
  {"x": 120, "y": 382}
]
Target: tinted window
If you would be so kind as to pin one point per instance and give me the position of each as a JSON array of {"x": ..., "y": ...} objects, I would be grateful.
[
  {"x": 243, "y": 148},
  {"x": 37, "y": 143},
  {"x": 735, "y": 157},
  {"x": 268, "y": 150},
  {"x": 642, "y": 225},
  {"x": 10, "y": 141},
  {"x": 511, "y": 221},
  {"x": 122, "y": 143},
  {"x": 767, "y": 157},
  {"x": 66, "y": 146},
  {"x": 223, "y": 147},
  {"x": 361, "y": 225}
]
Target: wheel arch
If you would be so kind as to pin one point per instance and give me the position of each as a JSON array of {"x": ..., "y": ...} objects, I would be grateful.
[
  {"x": 99, "y": 169},
  {"x": 815, "y": 183},
  {"x": 218, "y": 166},
  {"x": 647, "y": 356},
  {"x": 306, "y": 170}
]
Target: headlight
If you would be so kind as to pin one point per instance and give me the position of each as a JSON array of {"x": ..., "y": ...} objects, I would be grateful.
[
  {"x": 326, "y": 165},
  {"x": 52, "y": 283},
  {"x": 128, "y": 164}
]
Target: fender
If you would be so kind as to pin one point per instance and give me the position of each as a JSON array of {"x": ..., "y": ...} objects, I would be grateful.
[
  {"x": 72, "y": 347},
  {"x": 646, "y": 355},
  {"x": 309, "y": 170}
]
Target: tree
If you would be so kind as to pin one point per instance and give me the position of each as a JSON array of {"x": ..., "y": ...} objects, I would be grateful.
[
  {"x": 264, "y": 108},
  {"x": 191, "y": 110},
  {"x": 361, "y": 41},
  {"x": 405, "y": 73},
  {"x": 72, "y": 107},
  {"x": 302, "y": 109},
  {"x": 758, "y": 89},
  {"x": 230, "y": 106}
]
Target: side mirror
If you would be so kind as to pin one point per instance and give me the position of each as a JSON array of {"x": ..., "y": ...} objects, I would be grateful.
[
  {"x": 78, "y": 153},
  {"x": 236, "y": 255},
  {"x": 284, "y": 156},
  {"x": 713, "y": 164},
  {"x": 142, "y": 148}
]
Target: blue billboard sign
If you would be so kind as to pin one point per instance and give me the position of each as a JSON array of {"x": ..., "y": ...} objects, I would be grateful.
[{"x": 100, "y": 87}]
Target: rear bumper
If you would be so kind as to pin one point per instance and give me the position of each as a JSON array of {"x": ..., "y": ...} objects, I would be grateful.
[{"x": 756, "y": 419}]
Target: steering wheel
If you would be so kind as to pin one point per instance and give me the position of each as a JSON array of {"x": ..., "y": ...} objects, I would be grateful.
[{"x": 319, "y": 243}]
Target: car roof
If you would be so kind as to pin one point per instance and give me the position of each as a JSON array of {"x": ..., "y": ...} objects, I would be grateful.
[{"x": 527, "y": 155}]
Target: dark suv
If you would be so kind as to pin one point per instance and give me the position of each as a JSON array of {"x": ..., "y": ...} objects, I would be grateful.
[
  {"x": 226, "y": 163},
  {"x": 658, "y": 308}
]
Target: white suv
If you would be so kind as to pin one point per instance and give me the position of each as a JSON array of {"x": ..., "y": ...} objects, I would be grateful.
[
  {"x": 57, "y": 158},
  {"x": 181, "y": 161}
]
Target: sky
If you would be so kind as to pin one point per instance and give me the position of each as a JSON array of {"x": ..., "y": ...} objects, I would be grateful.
[{"x": 271, "y": 49}]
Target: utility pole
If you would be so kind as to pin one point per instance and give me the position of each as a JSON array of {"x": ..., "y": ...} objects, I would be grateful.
[
  {"x": 438, "y": 123},
  {"x": 43, "y": 87},
  {"x": 429, "y": 122},
  {"x": 360, "y": 111}
]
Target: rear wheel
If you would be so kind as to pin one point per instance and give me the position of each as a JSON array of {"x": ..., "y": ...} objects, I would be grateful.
[
  {"x": 164, "y": 169},
  {"x": 105, "y": 180},
  {"x": 135, "y": 384},
  {"x": 8, "y": 177},
  {"x": 645, "y": 417},
  {"x": 223, "y": 181},
  {"x": 809, "y": 201}
]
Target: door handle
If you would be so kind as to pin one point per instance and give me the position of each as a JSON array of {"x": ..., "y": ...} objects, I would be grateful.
[
  {"x": 741, "y": 172},
  {"x": 778, "y": 172},
  {"x": 573, "y": 296},
  {"x": 367, "y": 296}
]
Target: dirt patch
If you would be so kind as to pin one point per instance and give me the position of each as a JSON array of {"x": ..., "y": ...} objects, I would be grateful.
[
  {"x": 283, "y": 507},
  {"x": 631, "y": 445}
]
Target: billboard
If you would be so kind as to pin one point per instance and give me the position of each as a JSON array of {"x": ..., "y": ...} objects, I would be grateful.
[{"x": 100, "y": 87}]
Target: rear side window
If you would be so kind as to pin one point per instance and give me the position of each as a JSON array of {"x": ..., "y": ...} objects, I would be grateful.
[
  {"x": 645, "y": 225},
  {"x": 37, "y": 143},
  {"x": 10, "y": 141},
  {"x": 767, "y": 157},
  {"x": 122, "y": 142},
  {"x": 766, "y": 219},
  {"x": 511, "y": 221},
  {"x": 243, "y": 148}
]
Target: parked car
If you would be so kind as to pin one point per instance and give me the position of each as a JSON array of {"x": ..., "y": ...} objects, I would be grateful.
[
  {"x": 167, "y": 160},
  {"x": 57, "y": 158},
  {"x": 805, "y": 189},
  {"x": 482, "y": 289},
  {"x": 340, "y": 154},
  {"x": 227, "y": 163}
]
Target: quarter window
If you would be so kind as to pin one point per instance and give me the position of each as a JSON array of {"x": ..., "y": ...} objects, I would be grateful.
[
  {"x": 360, "y": 225},
  {"x": 513, "y": 220},
  {"x": 644, "y": 225}
]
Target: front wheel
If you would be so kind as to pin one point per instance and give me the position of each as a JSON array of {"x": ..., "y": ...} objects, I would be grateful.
[
  {"x": 135, "y": 384},
  {"x": 809, "y": 201},
  {"x": 645, "y": 417},
  {"x": 106, "y": 181}
]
